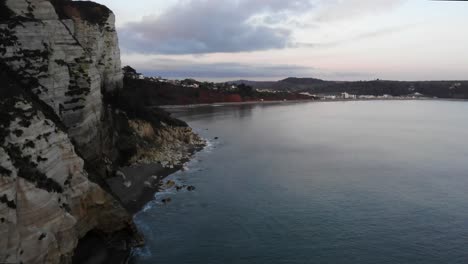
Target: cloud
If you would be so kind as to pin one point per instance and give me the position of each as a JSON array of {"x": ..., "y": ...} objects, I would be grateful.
[
  {"x": 335, "y": 10},
  {"x": 175, "y": 68},
  {"x": 229, "y": 26},
  {"x": 356, "y": 37},
  {"x": 210, "y": 26},
  {"x": 223, "y": 71}
]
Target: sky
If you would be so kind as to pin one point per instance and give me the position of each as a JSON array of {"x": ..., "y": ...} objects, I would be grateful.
[{"x": 220, "y": 40}]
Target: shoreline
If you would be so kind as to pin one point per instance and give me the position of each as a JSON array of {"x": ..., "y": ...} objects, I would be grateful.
[
  {"x": 168, "y": 107},
  {"x": 94, "y": 248},
  {"x": 141, "y": 193},
  {"x": 231, "y": 103}
]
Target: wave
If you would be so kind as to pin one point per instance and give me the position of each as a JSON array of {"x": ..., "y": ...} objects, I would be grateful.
[{"x": 142, "y": 252}]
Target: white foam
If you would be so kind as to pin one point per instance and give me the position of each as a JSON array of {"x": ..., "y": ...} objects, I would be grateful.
[
  {"x": 189, "y": 167},
  {"x": 210, "y": 145},
  {"x": 149, "y": 206},
  {"x": 142, "y": 252}
]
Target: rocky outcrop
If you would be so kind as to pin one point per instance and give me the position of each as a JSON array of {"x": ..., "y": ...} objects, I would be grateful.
[
  {"x": 170, "y": 145},
  {"x": 160, "y": 151}
]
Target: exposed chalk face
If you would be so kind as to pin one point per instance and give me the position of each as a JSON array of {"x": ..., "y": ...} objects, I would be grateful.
[
  {"x": 66, "y": 54},
  {"x": 69, "y": 61},
  {"x": 46, "y": 200},
  {"x": 102, "y": 43}
]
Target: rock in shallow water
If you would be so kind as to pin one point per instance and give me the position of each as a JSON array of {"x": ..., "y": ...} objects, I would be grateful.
[
  {"x": 169, "y": 184},
  {"x": 166, "y": 200},
  {"x": 127, "y": 184}
]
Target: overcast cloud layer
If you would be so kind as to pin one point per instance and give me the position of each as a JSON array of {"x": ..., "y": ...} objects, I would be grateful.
[
  {"x": 333, "y": 10},
  {"x": 183, "y": 69},
  {"x": 264, "y": 39},
  {"x": 208, "y": 26}
]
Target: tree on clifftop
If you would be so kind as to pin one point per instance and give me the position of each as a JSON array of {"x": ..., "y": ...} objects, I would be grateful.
[
  {"x": 129, "y": 72},
  {"x": 245, "y": 90}
]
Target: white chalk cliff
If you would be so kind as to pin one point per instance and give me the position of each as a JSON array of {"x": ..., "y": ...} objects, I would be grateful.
[
  {"x": 64, "y": 57},
  {"x": 69, "y": 59},
  {"x": 48, "y": 202}
]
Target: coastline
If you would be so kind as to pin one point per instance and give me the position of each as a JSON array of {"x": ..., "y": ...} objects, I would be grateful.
[
  {"x": 147, "y": 180},
  {"x": 96, "y": 249},
  {"x": 232, "y": 103},
  {"x": 302, "y": 101}
]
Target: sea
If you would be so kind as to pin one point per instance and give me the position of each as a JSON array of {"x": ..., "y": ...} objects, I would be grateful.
[{"x": 354, "y": 182}]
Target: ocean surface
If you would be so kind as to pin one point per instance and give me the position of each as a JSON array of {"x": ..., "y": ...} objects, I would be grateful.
[{"x": 328, "y": 182}]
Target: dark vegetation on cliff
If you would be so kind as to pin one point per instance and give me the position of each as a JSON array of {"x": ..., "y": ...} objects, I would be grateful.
[
  {"x": 5, "y": 12},
  {"x": 92, "y": 12},
  {"x": 121, "y": 142},
  {"x": 133, "y": 99},
  {"x": 13, "y": 91},
  {"x": 155, "y": 93},
  {"x": 132, "y": 102}
]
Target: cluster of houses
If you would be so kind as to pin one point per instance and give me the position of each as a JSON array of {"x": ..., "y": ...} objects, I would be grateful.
[
  {"x": 455, "y": 86},
  {"x": 184, "y": 83},
  {"x": 340, "y": 96},
  {"x": 266, "y": 91},
  {"x": 192, "y": 85},
  {"x": 347, "y": 96},
  {"x": 159, "y": 79}
]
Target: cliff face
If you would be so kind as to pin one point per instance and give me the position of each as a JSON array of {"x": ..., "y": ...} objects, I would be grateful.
[
  {"x": 66, "y": 60},
  {"x": 57, "y": 61},
  {"x": 66, "y": 125},
  {"x": 46, "y": 200}
]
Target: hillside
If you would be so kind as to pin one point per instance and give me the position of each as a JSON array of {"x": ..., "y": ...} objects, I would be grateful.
[
  {"x": 174, "y": 92},
  {"x": 440, "y": 89}
]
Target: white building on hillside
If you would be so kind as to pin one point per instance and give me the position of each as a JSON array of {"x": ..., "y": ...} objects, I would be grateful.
[{"x": 348, "y": 96}]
